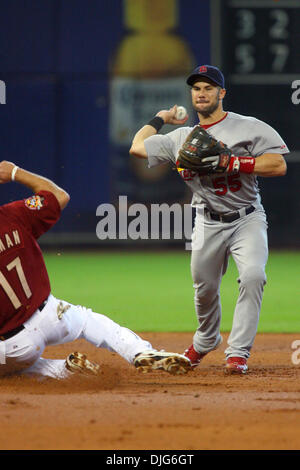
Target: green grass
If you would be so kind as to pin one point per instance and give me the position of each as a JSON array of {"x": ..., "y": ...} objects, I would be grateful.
[{"x": 153, "y": 291}]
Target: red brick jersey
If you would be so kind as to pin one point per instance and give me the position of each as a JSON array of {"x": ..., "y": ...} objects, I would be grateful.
[{"x": 24, "y": 281}]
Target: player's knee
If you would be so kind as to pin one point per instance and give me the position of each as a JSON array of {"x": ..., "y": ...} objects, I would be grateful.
[
  {"x": 253, "y": 275},
  {"x": 206, "y": 292}
]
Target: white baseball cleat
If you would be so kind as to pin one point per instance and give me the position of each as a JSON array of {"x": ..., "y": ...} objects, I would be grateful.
[
  {"x": 173, "y": 363},
  {"x": 78, "y": 362}
]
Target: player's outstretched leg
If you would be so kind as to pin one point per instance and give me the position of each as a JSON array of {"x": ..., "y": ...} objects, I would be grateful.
[
  {"x": 76, "y": 362},
  {"x": 173, "y": 363},
  {"x": 76, "y": 322}
]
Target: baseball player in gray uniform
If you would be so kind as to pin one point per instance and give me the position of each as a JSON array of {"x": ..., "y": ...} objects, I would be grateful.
[{"x": 228, "y": 211}]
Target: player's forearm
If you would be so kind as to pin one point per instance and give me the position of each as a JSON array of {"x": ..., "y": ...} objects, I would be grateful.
[
  {"x": 138, "y": 148},
  {"x": 269, "y": 165},
  {"x": 38, "y": 183},
  {"x": 165, "y": 116}
]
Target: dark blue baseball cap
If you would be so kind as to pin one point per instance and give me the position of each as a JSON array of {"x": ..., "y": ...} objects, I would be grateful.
[{"x": 208, "y": 71}]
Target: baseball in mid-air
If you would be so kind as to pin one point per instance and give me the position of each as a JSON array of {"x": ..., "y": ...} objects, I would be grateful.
[{"x": 181, "y": 113}]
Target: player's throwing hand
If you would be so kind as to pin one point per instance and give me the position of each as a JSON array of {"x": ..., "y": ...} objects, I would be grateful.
[{"x": 169, "y": 116}]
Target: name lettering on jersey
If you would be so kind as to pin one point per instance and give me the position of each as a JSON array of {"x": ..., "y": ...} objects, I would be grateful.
[{"x": 9, "y": 240}]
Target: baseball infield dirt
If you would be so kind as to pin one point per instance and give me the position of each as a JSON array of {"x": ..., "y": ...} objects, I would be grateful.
[{"x": 122, "y": 409}]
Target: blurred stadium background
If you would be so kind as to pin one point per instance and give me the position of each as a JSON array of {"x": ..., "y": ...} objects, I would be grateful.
[{"x": 82, "y": 77}]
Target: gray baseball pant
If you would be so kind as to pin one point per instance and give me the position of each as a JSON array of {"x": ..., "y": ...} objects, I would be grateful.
[{"x": 246, "y": 240}]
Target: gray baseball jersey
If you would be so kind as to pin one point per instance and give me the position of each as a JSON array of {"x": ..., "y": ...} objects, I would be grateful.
[{"x": 245, "y": 135}]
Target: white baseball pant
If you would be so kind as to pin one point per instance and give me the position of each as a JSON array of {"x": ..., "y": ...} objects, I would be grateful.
[{"x": 60, "y": 322}]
